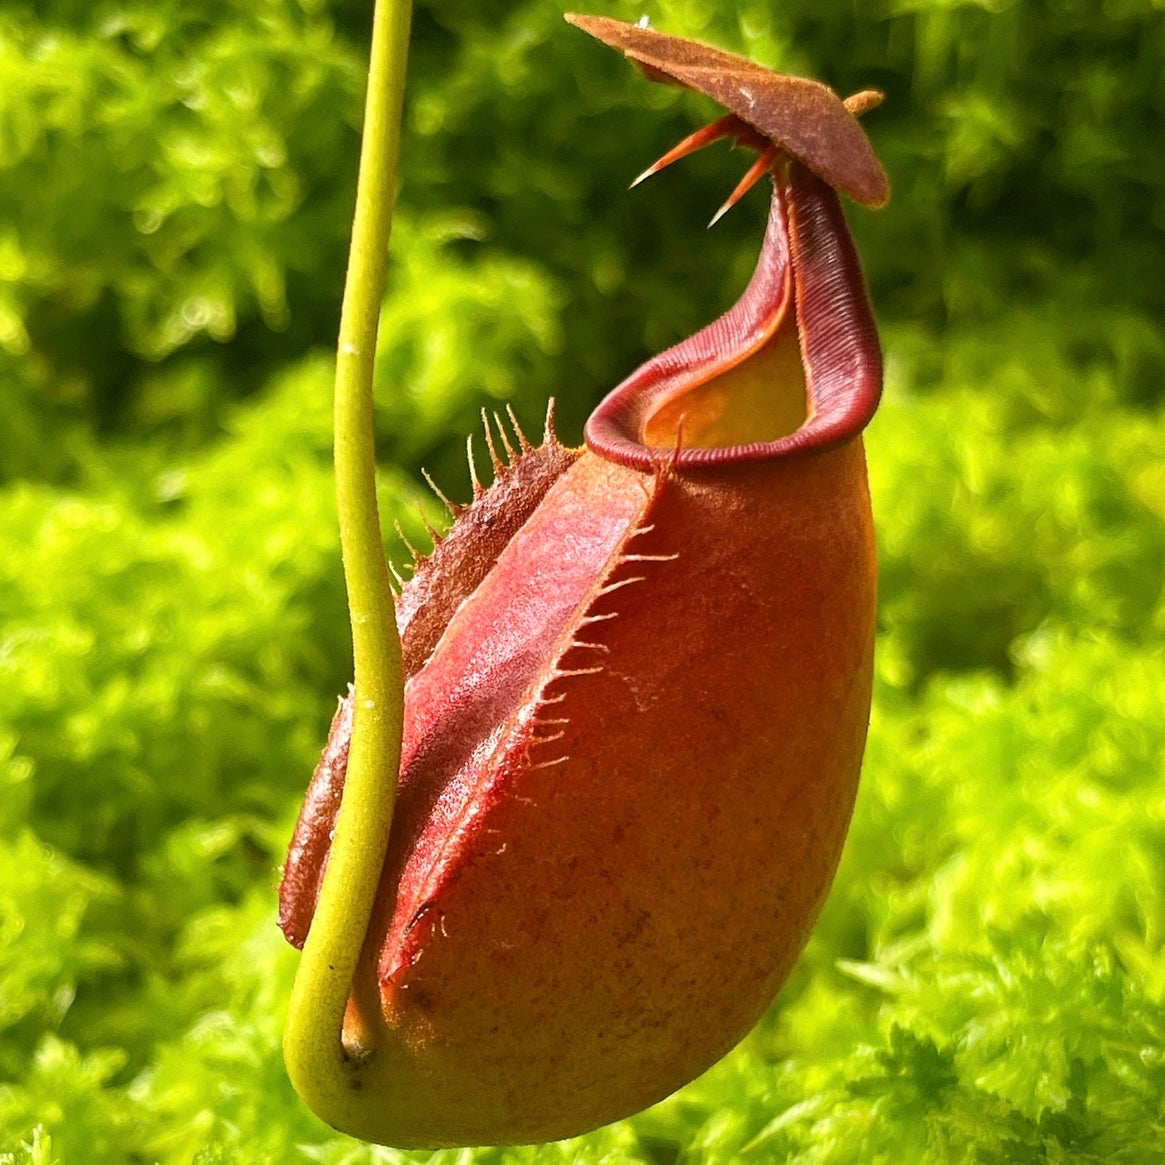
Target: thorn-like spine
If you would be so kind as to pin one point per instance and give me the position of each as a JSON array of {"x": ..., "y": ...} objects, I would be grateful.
[
  {"x": 586, "y": 620},
  {"x": 592, "y": 646},
  {"x": 510, "y": 455},
  {"x": 400, "y": 533},
  {"x": 562, "y": 672},
  {"x": 523, "y": 443},
  {"x": 495, "y": 460},
  {"x": 453, "y": 508},
  {"x": 473, "y": 478},
  {"x": 547, "y": 764},
  {"x": 430, "y": 529},
  {"x": 548, "y": 437},
  {"x": 650, "y": 557},
  {"x": 623, "y": 582}
]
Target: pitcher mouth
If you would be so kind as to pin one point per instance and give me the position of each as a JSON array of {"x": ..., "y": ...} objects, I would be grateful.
[{"x": 794, "y": 366}]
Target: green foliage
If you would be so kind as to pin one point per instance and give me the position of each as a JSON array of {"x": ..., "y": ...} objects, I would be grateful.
[{"x": 987, "y": 982}]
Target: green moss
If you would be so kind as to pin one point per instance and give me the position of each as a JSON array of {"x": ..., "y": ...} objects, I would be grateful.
[{"x": 987, "y": 982}]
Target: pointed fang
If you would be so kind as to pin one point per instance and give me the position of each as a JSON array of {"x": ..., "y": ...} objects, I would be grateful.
[
  {"x": 724, "y": 127},
  {"x": 750, "y": 179}
]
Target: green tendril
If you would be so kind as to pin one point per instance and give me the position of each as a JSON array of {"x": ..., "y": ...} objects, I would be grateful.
[{"x": 330, "y": 1072}]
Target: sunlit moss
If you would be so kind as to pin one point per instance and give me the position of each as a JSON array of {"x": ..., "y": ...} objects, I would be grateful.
[{"x": 987, "y": 982}]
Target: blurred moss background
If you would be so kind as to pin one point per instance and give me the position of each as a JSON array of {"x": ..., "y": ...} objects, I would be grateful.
[{"x": 988, "y": 981}]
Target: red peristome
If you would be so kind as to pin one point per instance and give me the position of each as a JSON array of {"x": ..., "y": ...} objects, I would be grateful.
[{"x": 807, "y": 260}]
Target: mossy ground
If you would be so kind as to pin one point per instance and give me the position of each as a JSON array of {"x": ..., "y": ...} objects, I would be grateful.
[{"x": 988, "y": 980}]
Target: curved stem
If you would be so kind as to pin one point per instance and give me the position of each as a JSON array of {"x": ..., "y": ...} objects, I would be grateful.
[{"x": 323, "y": 1072}]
